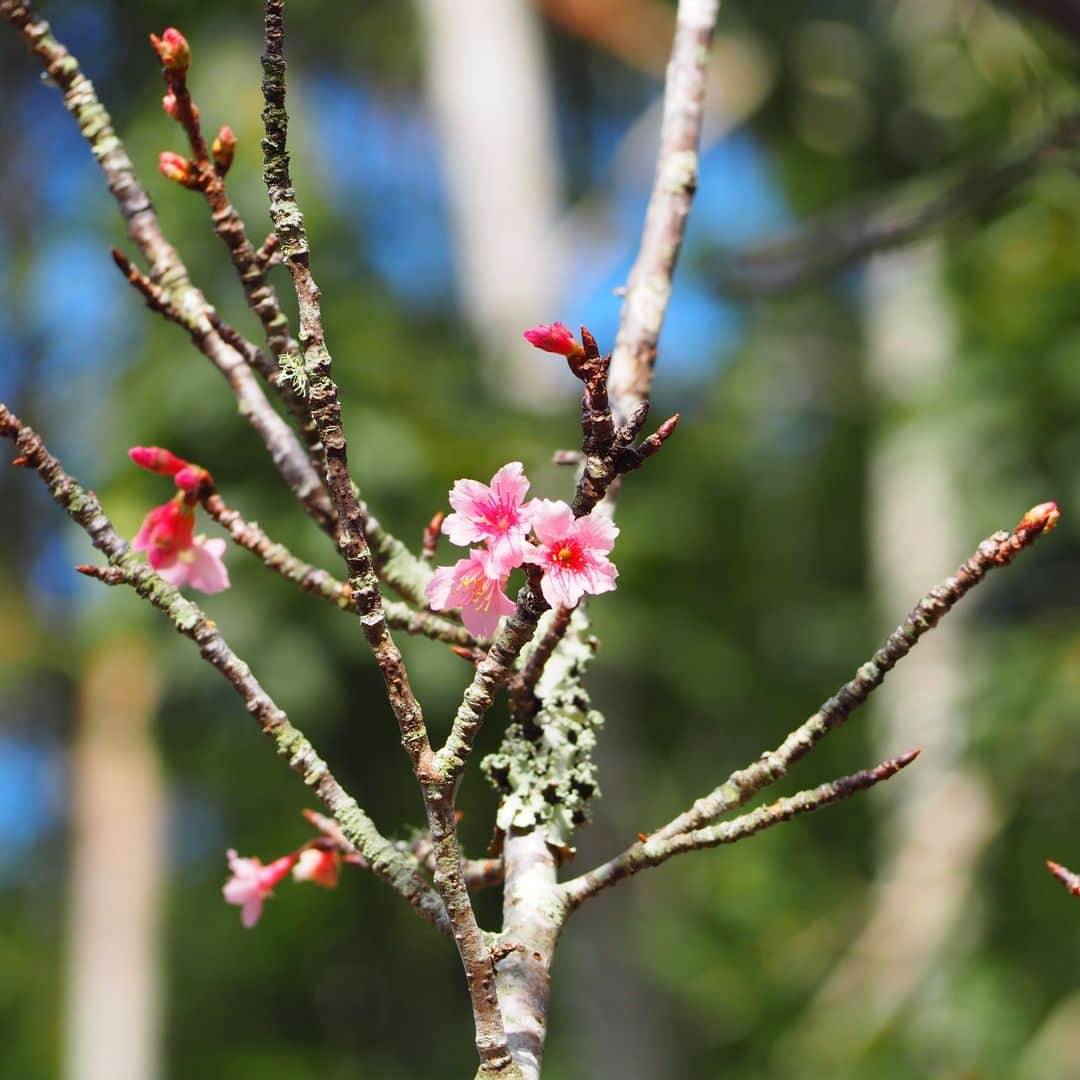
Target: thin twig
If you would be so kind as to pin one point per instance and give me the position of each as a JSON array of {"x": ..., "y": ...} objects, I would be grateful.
[
  {"x": 654, "y": 850},
  {"x": 399, "y": 871},
  {"x": 843, "y": 238},
  {"x": 321, "y": 583},
  {"x": 997, "y": 550},
  {"x": 649, "y": 287}
]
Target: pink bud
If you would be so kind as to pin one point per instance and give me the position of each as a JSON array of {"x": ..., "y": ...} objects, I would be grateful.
[
  {"x": 223, "y": 148},
  {"x": 177, "y": 167},
  {"x": 172, "y": 49},
  {"x": 157, "y": 459},
  {"x": 190, "y": 477},
  {"x": 554, "y": 338},
  {"x": 168, "y": 103}
]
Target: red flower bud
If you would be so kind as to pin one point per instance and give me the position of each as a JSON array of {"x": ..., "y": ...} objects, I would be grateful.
[
  {"x": 177, "y": 167},
  {"x": 157, "y": 459},
  {"x": 554, "y": 338},
  {"x": 172, "y": 49},
  {"x": 223, "y": 148}
]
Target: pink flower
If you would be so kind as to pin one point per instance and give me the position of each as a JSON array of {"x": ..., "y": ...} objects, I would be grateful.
[
  {"x": 497, "y": 514},
  {"x": 318, "y": 866},
  {"x": 468, "y": 585},
  {"x": 251, "y": 883},
  {"x": 180, "y": 557},
  {"x": 555, "y": 338},
  {"x": 172, "y": 49},
  {"x": 157, "y": 459},
  {"x": 573, "y": 553}
]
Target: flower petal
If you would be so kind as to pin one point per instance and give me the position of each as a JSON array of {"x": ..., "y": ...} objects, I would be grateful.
[{"x": 552, "y": 519}]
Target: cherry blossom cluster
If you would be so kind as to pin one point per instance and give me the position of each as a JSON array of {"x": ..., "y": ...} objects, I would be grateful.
[
  {"x": 168, "y": 535},
  {"x": 252, "y": 883},
  {"x": 572, "y": 552}
]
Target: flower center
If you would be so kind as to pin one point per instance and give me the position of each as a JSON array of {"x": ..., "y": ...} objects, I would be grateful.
[{"x": 567, "y": 555}]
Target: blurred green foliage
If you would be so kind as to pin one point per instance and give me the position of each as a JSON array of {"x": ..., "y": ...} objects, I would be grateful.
[{"x": 744, "y": 596}]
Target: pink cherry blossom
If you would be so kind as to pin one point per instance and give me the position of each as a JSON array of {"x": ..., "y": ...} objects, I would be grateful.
[
  {"x": 468, "y": 585},
  {"x": 201, "y": 566},
  {"x": 318, "y": 866},
  {"x": 554, "y": 338},
  {"x": 573, "y": 553},
  {"x": 496, "y": 514},
  {"x": 166, "y": 530},
  {"x": 180, "y": 557},
  {"x": 251, "y": 883}
]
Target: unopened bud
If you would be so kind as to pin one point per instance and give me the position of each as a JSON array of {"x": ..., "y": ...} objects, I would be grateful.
[
  {"x": 157, "y": 459},
  {"x": 172, "y": 49},
  {"x": 554, "y": 338},
  {"x": 223, "y": 149},
  {"x": 191, "y": 477},
  {"x": 1040, "y": 519},
  {"x": 178, "y": 168}
]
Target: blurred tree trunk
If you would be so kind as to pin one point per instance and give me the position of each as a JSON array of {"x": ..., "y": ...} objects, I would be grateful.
[
  {"x": 500, "y": 158},
  {"x": 941, "y": 817},
  {"x": 118, "y": 843}
]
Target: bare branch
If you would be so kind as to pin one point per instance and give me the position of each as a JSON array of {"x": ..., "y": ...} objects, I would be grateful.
[
  {"x": 649, "y": 287},
  {"x": 319, "y": 582},
  {"x": 654, "y": 850},
  {"x": 840, "y": 239},
  {"x": 399, "y": 871},
  {"x": 997, "y": 550}
]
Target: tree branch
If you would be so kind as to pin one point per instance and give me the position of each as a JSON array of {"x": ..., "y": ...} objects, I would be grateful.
[
  {"x": 654, "y": 850},
  {"x": 997, "y": 550},
  {"x": 322, "y": 393},
  {"x": 321, "y": 583},
  {"x": 649, "y": 286},
  {"x": 399, "y": 870},
  {"x": 843, "y": 238}
]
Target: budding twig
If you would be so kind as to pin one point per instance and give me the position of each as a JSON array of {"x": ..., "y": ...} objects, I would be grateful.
[{"x": 430, "y": 543}]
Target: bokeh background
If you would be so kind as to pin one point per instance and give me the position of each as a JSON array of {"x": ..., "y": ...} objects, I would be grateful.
[{"x": 467, "y": 170}]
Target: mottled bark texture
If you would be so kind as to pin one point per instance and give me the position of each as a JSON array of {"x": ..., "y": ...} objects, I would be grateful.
[{"x": 649, "y": 287}]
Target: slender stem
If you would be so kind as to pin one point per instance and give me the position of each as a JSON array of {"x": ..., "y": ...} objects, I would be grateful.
[
  {"x": 400, "y": 870},
  {"x": 319, "y": 582},
  {"x": 997, "y": 550},
  {"x": 649, "y": 287},
  {"x": 657, "y": 849}
]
